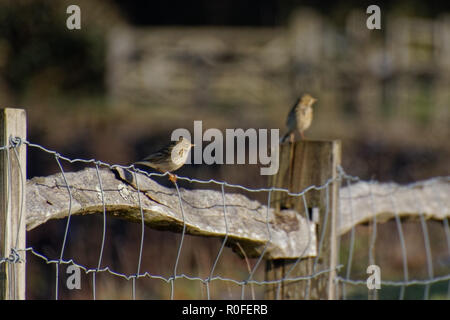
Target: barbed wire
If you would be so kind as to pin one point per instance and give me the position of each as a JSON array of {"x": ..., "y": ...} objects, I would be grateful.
[{"x": 14, "y": 256}]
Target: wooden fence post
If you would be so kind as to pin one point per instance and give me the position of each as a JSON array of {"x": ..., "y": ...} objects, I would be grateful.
[
  {"x": 303, "y": 164},
  {"x": 12, "y": 204}
]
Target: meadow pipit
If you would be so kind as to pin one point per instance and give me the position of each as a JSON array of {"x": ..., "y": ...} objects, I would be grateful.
[
  {"x": 300, "y": 117},
  {"x": 170, "y": 158}
]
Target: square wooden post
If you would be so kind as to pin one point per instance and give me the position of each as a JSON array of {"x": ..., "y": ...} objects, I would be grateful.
[
  {"x": 12, "y": 204},
  {"x": 303, "y": 164}
]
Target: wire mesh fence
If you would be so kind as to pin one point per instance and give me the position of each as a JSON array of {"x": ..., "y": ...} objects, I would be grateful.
[
  {"x": 358, "y": 246},
  {"x": 406, "y": 248}
]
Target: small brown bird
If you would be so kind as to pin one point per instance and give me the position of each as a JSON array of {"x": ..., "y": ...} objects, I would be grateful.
[
  {"x": 300, "y": 117},
  {"x": 170, "y": 158}
]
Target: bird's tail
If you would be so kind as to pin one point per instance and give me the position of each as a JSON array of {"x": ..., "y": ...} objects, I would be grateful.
[
  {"x": 144, "y": 163},
  {"x": 283, "y": 139}
]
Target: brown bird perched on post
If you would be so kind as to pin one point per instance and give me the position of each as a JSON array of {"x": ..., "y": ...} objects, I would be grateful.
[
  {"x": 170, "y": 158},
  {"x": 300, "y": 117}
]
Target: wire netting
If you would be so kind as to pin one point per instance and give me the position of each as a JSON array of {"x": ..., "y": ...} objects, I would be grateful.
[{"x": 414, "y": 256}]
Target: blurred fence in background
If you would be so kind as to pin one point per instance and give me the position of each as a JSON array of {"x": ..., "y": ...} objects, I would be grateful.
[
  {"x": 395, "y": 79},
  {"x": 259, "y": 231}
]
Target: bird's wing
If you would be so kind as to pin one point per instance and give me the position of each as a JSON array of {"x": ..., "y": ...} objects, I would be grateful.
[
  {"x": 155, "y": 156},
  {"x": 163, "y": 153}
]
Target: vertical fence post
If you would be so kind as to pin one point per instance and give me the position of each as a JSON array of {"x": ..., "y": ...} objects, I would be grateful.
[
  {"x": 12, "y": 204},
  {"x": 303, "y": 164}
]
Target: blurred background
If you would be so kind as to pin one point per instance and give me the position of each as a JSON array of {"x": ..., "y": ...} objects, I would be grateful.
[{"x": 137, "y": 70}]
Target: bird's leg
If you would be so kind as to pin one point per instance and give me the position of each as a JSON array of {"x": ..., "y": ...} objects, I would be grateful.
[
  {"x": 291, "y": 137},
  {"x": 173, "y": 178},
  {"x": 303, "y": 135}
]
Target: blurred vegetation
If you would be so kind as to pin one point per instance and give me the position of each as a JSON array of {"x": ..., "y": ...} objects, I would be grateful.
[{"x": 40, "y": 54}]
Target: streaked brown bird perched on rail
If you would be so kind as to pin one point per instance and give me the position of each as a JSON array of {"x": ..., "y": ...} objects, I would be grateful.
[
  {"x": 300, "y": 117},
  {"x": 170, "y": 158}
]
